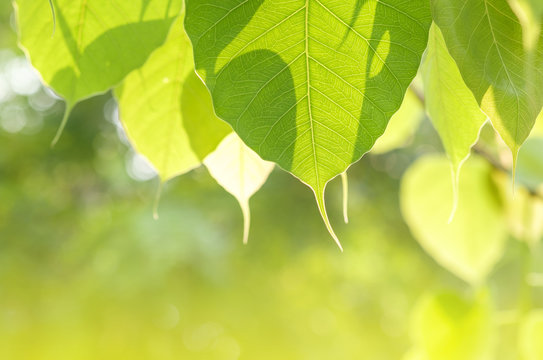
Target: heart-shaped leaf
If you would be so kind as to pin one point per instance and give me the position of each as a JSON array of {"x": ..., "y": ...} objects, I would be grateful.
[
  {"x": 166, "y": 110},
  {"x": 485, "y": 39},
  {"x": 473, "y": 241},
  {"x": 240, "y": 171},
  {"x": 86, "y": 47},
  {"x": 450, "y": 104},
  {"x": 308, "y": 84}
]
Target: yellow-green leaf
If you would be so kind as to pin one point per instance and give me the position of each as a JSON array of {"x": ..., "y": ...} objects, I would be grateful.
[
  {"x": 473, "y": 241},
  {"x": 240, "y": 171},
  {"x": 166, "y": 110}
]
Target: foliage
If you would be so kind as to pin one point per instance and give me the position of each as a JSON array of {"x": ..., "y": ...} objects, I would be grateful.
[{"x": 314, "y": 85}]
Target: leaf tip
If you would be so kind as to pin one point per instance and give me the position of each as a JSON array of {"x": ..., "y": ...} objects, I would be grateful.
[
  {"x": 319, "y": 196},
  {"x": 62, "y": 125},
  {"x": 246, "y": 221}
]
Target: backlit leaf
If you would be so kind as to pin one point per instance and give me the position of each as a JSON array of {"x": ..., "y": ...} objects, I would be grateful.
[
  {"x": 308, "y": 84},
  {"x": 166, "y": 109},
  {"x": 485, "y": 39},
  {"x": 240, "y": 171},
  {"x": 94, "y": 44},
  {"x": 450, "y": 104},
  {"x": 473, "y": 241}
]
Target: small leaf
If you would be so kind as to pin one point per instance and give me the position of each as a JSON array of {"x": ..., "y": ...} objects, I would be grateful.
[
  {"x": 485, "y": 39},
  {"x": 531, "y": 333},
  {"x": 166, "y": 110},
  {"x": 402, "y": 125},
  {"x": 446, "y": 326},
  {"x": 308, "y": 84},
  {"x": 451, "y": 106},
  {"x": 473, "y": 241},
  {"x": 87, "y": 47},
  {"x": 240, "y": 171}
]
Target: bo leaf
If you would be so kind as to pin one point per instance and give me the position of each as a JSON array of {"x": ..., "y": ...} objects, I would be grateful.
[
  {"x": 485, "y": 39},
  {"x": 95, "y": 43},
  {"x": 471, "y": 244},
  {"x": 308, "y": 84},
  {"x": 166, "y": 109},
  {"x": 451, "y": 106},
  {"x": 240, "y": 171}
]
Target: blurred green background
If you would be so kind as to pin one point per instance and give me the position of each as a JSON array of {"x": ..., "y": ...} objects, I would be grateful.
[{"x": 87, "y": 273}]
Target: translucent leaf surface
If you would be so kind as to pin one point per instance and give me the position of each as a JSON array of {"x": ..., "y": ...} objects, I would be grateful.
[
  {"x": 240, "y": 171},
  {"x": 449, "y": 327},
  {"x": 308, "y": 84},
  {"x": 166, "y": 110},
  {"x": 94, "y": 44},
  {"x": 453, "y": 110},
  {"x": 485, "y": 39},
  {"x": 473, "y": 241}
]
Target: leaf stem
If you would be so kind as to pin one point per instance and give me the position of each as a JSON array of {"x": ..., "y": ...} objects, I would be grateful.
[
  {"x": 481, "y": 151},
  {"x": 63, "y": 122}
]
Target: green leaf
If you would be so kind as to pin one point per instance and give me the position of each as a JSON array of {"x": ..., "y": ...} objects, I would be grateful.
[
  {"x": 485, "y": 39},
  {"x": 95, "y": 43},
  {"x": 473, "y": 241},
  {"x": 531, "y": 333},
  {"x": 308, "y": 84},
  {"x": 402, "y": 125},
  {"x": 166, "y": 110},
  {"x": 446, "y": 326},
  {"x": 450, "y": 104},
  {"x": 240, "y": 171}
]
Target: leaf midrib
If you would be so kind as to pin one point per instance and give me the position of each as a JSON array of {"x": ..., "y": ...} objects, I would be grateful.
[
  {"x": 318, "y": 185},
  {"x": 496, "y": 44}
]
